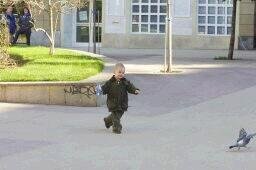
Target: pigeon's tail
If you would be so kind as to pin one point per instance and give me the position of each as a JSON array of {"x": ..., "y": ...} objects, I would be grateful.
[{"x": 232, "y": 146}]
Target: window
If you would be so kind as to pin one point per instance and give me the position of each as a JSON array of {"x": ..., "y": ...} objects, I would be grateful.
[
  {"x": 214, "y": 17},
  {"x": 148, "y": 16}
]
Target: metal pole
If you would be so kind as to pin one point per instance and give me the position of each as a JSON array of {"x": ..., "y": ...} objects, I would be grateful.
[
  {"x": 98, "y": 28},
  {"x": 90, "y": 26},
  {"x": 169, "y": 38},
  {"x": 165, "y": 44},
  {"x": 94, "y": 26}
]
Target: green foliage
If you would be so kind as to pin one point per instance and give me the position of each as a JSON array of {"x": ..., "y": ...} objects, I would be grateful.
[{"x": 35, "y": 64}]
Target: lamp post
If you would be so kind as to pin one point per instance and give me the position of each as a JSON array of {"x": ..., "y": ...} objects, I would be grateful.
[{"x": 168, "y": 39}]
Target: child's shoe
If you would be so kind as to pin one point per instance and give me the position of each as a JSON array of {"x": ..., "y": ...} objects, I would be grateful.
[
  {"x": 107, "y": 123},
  {"x": 116, "y": 131}
]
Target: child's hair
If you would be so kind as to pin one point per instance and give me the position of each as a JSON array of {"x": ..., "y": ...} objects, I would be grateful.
[{"x": 119, "y": 66}]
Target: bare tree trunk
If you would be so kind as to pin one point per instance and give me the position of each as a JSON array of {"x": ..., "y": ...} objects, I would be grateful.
[
  {"x": 233, "y": 32},
  {"x": 5, "y": 60},
  {"x": 52, "y": 41}
]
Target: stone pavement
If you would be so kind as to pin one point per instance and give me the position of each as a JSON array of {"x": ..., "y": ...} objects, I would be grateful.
[{"x": 180, "y": 121}]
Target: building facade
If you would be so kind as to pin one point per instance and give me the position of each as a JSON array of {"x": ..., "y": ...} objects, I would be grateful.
[
  {"x": 246, "y": 25},
  {"x": 197, "y": 24}
]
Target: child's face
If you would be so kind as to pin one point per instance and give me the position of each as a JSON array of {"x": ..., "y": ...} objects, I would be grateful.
[
  {"x": 25, "y": 10},
  {"x": 119, "y": 73}
]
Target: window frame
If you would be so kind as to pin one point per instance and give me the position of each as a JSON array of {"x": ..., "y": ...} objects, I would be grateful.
[
  {"x": 149, "y": 14},
  {"x": 224, "y": 5}
]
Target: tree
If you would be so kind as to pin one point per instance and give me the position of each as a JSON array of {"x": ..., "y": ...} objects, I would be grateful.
[
  {"x": 5, "y": 60},
  {"x": 53, "y": 9},
  {"x": 233, "y": 30},
  {"x": 254, "y": 40}
]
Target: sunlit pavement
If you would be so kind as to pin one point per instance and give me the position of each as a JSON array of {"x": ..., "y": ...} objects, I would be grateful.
[{"x": 182, "y": 121}]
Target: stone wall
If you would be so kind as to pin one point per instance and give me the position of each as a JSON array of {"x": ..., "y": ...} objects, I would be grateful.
[{"x": 73, "y": 94}]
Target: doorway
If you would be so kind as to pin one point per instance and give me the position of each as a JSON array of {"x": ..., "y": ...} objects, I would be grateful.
[{"x": 84, "y": 25}]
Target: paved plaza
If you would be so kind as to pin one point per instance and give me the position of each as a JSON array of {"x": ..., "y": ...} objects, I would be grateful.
[{"x": 182, "y": 121}]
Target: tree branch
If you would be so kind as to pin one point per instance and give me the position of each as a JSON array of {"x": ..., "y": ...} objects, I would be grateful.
[{"x": 44, "y": 31}]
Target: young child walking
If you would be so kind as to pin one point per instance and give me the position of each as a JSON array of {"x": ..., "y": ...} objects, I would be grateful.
[{"x": 117, "y": 89}]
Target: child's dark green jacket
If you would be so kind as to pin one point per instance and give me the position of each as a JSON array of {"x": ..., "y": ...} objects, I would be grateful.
[{"x": 117, "y": 96}]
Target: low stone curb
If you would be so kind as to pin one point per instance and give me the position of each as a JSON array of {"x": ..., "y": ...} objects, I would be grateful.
[{"x": 73, "y": 94}]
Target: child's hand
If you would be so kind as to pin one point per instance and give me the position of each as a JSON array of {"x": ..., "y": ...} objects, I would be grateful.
[
  {"x": 98, "y": 90},
  {"x": 137, "y": 92}
]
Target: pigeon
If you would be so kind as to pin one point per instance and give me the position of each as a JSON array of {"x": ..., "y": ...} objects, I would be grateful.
[{"x": 243, "y": 139}]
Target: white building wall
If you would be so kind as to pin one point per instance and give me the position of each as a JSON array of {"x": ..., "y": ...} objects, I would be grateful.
[
  {"x": 67, "y": 29},
  {"x": 115, "y": 20},
  {"x": 117, "y": 28},
  {"x": 182, "y": 17}
]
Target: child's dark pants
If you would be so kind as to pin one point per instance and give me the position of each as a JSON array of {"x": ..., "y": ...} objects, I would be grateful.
[{"x": 114, "y": 120}]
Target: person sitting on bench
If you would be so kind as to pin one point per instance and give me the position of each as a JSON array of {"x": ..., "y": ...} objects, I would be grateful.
[
  {"x": 11, "y": 22},
  {"x": 25, "y": 23}
]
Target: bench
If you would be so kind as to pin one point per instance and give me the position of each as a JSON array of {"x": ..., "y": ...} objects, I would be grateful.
[{"x": 22, "y": 39}]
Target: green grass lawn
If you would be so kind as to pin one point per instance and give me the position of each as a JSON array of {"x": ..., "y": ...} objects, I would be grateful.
[{"x": 35, "y": 64}]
